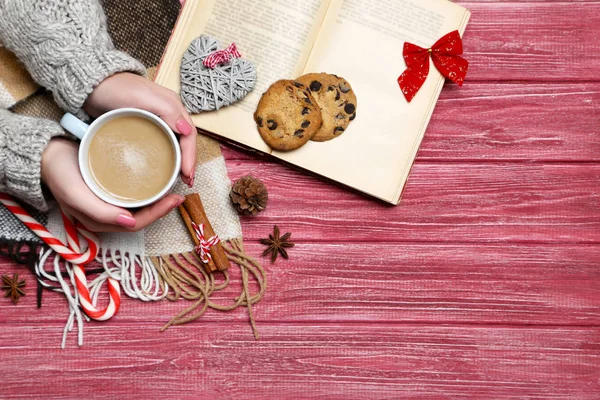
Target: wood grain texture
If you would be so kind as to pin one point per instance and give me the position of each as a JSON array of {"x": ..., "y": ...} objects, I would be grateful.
[
  {"x": 382, "y": 361},
  {"x": 483, "y": 283},
  {"x": 532, "y": 41},
  {"x": 442, "y": 202},
  {"x": 530, "y": 284}
]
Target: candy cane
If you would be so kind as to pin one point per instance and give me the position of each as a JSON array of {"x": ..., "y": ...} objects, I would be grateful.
[{"x": 72, "y": 253}]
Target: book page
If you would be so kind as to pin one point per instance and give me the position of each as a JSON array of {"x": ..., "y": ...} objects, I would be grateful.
[
  {"x": 276, "y": 35},
  {"x": 362, "y": 41}
]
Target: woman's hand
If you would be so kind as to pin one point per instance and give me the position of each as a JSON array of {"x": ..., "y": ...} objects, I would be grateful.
[
  {"x": 60, "y": 173},
  {"x": 130, "y": 90}
]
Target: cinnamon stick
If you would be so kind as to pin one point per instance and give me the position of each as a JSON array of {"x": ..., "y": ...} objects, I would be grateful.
[
  {"x": 210, "y": 266},
  {"x": 195, "y": 212}
]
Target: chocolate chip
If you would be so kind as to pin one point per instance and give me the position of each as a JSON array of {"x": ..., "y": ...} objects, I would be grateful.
[
  {"x": 305, "y": 124},
  {"x": 305, "y": 111},
  {"x": 299, "y": 133},
  {"x": 272, "y": 125},
  {"x": 344, "y": 88},
  {"x": 352, "y": 117},
  {"x": 259, "y": 121},
  {"x": 306, "y": 93},
  {"x": 349, "y": 108},
  {"x": 337, "y": 95},
  {"x": 336, "y": 76},
  {"x": 330, "y": 88},
  {"x": 315, "y": 86},
  {"x": 339, "y": 116},
  {"x": 338, "y": 130},
  {"x": 308, "y": 100},
  {"x": 289, "y": 89},
  {"x": 298, "y": 84}
]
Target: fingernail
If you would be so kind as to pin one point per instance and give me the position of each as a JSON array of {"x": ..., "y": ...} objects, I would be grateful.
[
  {"x": 193, "y": 177},
  {"x": 178, "y": 202},
  {"x": 183, "y": 127},
  {"x": 126, "y": 221}
]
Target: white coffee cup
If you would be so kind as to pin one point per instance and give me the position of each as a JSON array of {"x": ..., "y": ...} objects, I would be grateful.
[{"x": 86, "y": 133}]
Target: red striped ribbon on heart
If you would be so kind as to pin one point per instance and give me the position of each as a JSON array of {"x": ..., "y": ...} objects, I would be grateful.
[
  {"x": 221, "y": 56},
  {"x": 204, "y": 245}
]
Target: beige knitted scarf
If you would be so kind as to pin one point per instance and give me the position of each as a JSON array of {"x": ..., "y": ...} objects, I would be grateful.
[{"x": 158, "y": 262}]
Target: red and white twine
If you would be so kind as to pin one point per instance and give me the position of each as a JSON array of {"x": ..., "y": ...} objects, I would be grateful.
[
  {"x": 221, "y": 56},
  {"x": 204, "y": 245}
]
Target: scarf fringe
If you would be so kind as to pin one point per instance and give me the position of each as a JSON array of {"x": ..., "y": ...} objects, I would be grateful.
[
  {"x": 173, "y": 276},
  {"x": 187, "y": 279},
  {"x": 138, "y": 277},
  {"x": 56, "y": 281}
]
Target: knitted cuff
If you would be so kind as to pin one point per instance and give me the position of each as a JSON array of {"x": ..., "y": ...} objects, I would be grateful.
[
  {"x": 22, "y": 142},
  {"x": 65, "y": 46},
  {"x": 85, "y": 71}
]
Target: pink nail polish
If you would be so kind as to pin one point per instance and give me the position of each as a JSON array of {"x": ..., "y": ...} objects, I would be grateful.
[
  {"x": 126, "y": 221},
  {"x": 183, "y": 127}
]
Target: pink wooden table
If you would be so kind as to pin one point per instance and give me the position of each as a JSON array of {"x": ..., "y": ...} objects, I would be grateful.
[{"x": 483, "y": 283}]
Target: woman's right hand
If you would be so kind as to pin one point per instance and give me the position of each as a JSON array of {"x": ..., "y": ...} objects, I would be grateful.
[{"x": 60, "y": 173}]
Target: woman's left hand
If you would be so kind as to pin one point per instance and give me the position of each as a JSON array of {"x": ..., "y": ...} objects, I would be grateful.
[{"x": 129, "y": 90}]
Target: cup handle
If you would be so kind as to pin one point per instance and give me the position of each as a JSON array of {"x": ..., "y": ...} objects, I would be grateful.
[{"x": 74, "y": 125}]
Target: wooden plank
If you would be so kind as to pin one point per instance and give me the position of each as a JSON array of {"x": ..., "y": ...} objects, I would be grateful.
[
  {"x": 413, "y": 282},
  {"x": 407, "y": 301},
  {"x": 515, "y": 122},
  {"x": 534, "y": 41},
  {"x": 508, "y": 122},
  {"x": 442, "y": 202},
  {"x": 299, "y": 361}
]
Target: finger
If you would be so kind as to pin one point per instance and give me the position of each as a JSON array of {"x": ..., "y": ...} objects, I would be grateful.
[
  {"x": 172, "y": 112},
  {"x": 148, "y": 215},
  {"x": 187, "y": 141},
  {"x": 85, "y": 202},
  {"x": 175, "y": 97},
  {"x": 143, "y": 217},
  {"x": 92, "y": 225},
  {"x": 188, "y": 158}
]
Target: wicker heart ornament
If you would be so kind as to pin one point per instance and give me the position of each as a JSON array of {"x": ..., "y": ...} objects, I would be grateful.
[{"x": 206, "y": 89}]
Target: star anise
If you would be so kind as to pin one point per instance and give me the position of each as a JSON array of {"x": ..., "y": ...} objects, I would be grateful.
[
  {"x": 13, "y": 287},
  {"x": 277, "y": 244}
]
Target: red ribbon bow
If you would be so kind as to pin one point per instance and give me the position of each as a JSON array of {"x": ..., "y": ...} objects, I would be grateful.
[
  {"x": 203, "y": 248},
  {"x": 221, "y": 56},
  {"x": 445, "y": 54}
]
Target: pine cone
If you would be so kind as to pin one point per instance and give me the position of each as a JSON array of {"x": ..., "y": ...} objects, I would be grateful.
[{"x": 249, "y": 195}]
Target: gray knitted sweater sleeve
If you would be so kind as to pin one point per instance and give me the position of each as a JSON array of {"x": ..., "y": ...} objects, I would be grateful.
[
  {"x": 22, "y": 141},
  {"x": 65, "y": 46}
]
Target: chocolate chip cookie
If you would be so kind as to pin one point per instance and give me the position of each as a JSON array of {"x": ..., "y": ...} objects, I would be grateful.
[
  {"x": 336, "y": 100},
  {"x": 287, "y": 115}
]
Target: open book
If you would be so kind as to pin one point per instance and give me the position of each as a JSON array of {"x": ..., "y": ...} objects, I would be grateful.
[{"x": 360, "y": 40}]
